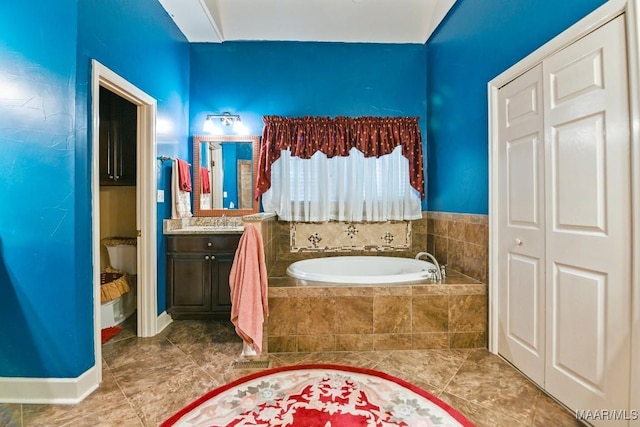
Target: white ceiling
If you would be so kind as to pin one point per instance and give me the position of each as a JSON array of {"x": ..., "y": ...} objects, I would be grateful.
[{"x": 365, "y": 21}]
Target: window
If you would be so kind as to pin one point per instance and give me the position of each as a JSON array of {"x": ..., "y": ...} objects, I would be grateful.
[
  {"x": 357, "y": 171},
  {"x": 352, "y": 188}
]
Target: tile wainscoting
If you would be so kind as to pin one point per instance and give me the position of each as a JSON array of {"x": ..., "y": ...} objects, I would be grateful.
[{"x": 461, "y": 241}]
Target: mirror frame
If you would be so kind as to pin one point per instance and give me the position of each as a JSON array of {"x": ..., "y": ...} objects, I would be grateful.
[{"x": 199, "y": 139}]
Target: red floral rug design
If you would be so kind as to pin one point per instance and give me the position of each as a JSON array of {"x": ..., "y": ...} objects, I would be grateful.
[{"x": 318, "y": 396}]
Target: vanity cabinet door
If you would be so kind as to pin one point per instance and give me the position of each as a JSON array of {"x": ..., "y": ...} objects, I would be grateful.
[
  {"x": 188, "y": 285},
  {"x": 220, "y": 291},
  {"x": 118, "y": 135}
]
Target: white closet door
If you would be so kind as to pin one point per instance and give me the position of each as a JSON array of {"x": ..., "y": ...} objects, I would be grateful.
[
  {"x": 521, "y": 250},
  {"x": 588, "y": 251}
]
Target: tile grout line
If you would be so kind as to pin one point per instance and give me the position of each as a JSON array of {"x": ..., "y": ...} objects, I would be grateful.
[{"x": 140, "y": 416}]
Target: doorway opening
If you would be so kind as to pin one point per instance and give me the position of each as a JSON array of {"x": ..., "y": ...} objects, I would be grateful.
[{"x": 145, "y": 202}]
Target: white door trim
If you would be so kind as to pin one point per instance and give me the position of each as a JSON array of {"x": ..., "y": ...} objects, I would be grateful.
[
  {"x": 633, "y": 51},
  {"x": 146, "y": 208}
]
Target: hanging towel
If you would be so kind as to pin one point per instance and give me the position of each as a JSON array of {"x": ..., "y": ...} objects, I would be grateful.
[
  {"x": 248, "y": 284},
  {"x": 204, "y": 179},
  {"x": 180, "y": 200},
  {"x": 185, "y": 175}
]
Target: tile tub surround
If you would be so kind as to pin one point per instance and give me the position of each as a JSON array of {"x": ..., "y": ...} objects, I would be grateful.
[
  {"x": 460, "y": 241},
  {"x": 315, "y": 316}
]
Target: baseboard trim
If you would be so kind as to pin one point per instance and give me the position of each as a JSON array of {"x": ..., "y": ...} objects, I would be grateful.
[
  {"x": 49, "y": 390},
  {"x": 163, "y": 321}
]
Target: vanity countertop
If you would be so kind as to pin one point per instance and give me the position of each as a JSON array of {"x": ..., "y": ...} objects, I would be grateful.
[
  {"x": 205, "y": 230},
  {"x": 203, "y": 225}
]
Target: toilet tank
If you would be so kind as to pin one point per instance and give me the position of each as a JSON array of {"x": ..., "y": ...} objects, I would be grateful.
[{"x": 122, "y": 254}]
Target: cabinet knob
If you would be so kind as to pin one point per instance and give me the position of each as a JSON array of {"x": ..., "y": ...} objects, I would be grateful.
[
  {"x": 209, "y": 244},
  {"x": 519, "y": 242},
  {"x": 206, "y": 257}
]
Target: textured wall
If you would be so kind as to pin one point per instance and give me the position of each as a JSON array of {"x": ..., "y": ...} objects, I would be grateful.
[
  {"x": 477, "y": 41},
  {"x": 46, "y": 290},
  {"x": 301, "y": 78},
  {"x": 41, "y": 328},
  {"x": 140, "y": 42}
]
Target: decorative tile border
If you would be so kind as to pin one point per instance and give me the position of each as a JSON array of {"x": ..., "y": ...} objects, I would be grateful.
[{"x": 350, "y": 236}]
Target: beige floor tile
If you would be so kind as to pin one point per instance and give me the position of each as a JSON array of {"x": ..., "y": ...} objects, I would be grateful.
[
  {"x": 548, "y": 412},
  {"x": 107, "y": 398},
  {"x": 495, "y": 385},
  {"x": 146, "y": 380},
  {"x": 10, "y": 414},
  {"x": 480, "y": 416},
  {"x": 435, "y": 367}
]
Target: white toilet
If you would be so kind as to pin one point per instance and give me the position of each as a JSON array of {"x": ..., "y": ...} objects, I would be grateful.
[{"x": 122, "y": 256}]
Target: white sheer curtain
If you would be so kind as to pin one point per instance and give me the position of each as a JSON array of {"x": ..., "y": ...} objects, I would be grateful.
[{"x": 352, "y": 188}]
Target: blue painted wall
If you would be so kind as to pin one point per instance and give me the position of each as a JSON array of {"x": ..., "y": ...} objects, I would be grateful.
[
  {"x": 229, "y": 178},
  {"x": 42, "y": 330},
  {"x": 139, "y": 41},
  {"x": 231, "y": 153},
  {"x": 476, "y": 42},
  {"x": 302, "y": 78},
  {"x": 46, "y": 295}
]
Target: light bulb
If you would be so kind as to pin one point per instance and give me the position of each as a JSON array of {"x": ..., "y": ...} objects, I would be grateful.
[
  {"x": 208, "y": 126},
  {"x": 239, "y": 127}
]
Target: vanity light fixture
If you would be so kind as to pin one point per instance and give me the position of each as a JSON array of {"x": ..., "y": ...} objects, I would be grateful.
[{"x": 226, "y": 119}]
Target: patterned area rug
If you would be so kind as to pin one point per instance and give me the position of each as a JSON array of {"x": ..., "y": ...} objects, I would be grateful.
[{"x": 318, "y": 396}]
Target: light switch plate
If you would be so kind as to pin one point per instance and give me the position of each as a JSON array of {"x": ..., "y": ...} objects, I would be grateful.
[{"x": 160, "y": 196}]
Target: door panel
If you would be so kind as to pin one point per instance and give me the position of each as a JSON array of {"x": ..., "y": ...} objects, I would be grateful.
[
  {"x": 588, "y": 240},
  {"x": 522, "y": 179},
  {"x": 578, "y": 170},
  {"x": 523, "y": 303},
  {"x": 521, "y": 219},
  {"x": 576, "y": 78},
  {"x": 590, "y": 315}
]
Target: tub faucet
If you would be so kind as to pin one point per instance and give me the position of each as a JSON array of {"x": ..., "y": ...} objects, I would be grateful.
[{"x": 438, "y": 271}]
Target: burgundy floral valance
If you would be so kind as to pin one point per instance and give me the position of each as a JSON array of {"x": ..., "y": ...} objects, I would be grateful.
[{"x": 373, "y": 136}]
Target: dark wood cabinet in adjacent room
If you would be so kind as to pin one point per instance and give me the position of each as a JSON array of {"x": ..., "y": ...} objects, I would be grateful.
[
  {"x": 118, "y": 135},
  {"x": 198, "y": 268}
]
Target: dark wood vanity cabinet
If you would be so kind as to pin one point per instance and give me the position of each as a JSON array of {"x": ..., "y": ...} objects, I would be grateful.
[
  {"x": 198, "y": 268},
  {"x": 118, "y": 136}
]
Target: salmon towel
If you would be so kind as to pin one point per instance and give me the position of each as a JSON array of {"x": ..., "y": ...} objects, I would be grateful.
[
  {"x": 204, "y": 179},
  {"x": 184, "y": 175},
  {"x": 248, "y": 284}
]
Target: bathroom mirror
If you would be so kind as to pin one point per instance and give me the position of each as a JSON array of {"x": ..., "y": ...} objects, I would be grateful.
[{"x": 228, "y": 164}]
